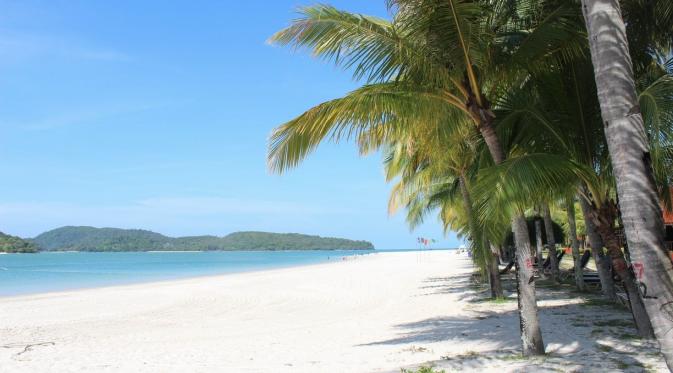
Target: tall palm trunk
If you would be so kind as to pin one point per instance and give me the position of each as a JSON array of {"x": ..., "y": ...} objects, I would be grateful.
[
  {"x": 602, "y": 263},
  {"x": 538, "y": 247},
  {"x": 531, "y": 335},
  {"x": 494, "y": 274},
  {"x": 491, "y": 258},
  {"x": 551, "y": 242},
  {"x": 603, "y": 219},
  {"x": 574, "y": 243},
  {"x": 529, "y": 323},
  {"x": 629, "y": 153}
]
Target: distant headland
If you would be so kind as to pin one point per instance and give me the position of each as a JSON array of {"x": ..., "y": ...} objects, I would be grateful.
[{"x": 118, "y": 240}]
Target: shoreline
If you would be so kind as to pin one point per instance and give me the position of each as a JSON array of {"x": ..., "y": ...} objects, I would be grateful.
[
  {"x": 252, "y": 322},
  {"x": 232, "y": 251},
  {"x": 168, "y": 280},
  {"x": 167, "y": 277},
  {"x": 178, "y": 281},
  {"x": 379, "y": 313}
]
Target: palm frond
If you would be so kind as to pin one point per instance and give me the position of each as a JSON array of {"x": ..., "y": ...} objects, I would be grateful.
[
  {"x": 528, "y": 180},
  {"x": 376, "y": 49},
  {"x": 378, "y": 109}
]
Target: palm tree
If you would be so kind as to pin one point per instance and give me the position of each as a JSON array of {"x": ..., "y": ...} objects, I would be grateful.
[
  {"x": 431, "y": 178},
  {"x": 574, "y": 131},
  {"x": 574, "y": 243},
  {"x": 435, "y": 59},
  {"x": 597, "y": 200},
  {"x": 551, "y": 242},
  {"x": 603, "y": 265},
  {"x": 539, "y": 246},
  {"x": 631, "y": 162}
]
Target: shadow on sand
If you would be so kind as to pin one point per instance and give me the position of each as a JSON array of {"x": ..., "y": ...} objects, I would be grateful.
[{"x": 581, "y": 332}]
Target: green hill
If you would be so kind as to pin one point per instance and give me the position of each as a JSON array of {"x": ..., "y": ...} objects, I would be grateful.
[
  {"x": 113, "y": 239},
  {"x": 12, "y": 244}
]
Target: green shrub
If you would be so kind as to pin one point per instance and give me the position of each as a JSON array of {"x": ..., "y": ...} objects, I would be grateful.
[{"x": 426, "y": 369}]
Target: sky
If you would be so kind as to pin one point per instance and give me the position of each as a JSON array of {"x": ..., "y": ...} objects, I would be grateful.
[{"x": 156, "y": 115}]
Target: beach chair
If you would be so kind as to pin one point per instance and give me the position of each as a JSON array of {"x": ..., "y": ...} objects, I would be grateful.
[
  {"x": 592, "y": 280},
  {"x": 547, "y": 262},
  {"x": 507, "y": 268}
]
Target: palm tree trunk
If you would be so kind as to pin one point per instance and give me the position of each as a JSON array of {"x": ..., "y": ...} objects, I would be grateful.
[
  {"x": 604, "y": 219},
  {"x": 491, "y": 258},
  {"x": 494, "y": 274},
  {"x": 551, "y": 242},
  {"x": 574, "y": 243},
  {"x": 629, "y": 153},
  {"x": 531, "y": 335},
  {"x": 529, "y": 323},
  {"x": 602, "y": 264},
  {"x": 491, "y": 138},
  {"x": 538, "y": 248}
]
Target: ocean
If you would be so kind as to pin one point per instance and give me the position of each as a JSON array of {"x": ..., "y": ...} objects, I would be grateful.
[{"x": 56, "y": 271}]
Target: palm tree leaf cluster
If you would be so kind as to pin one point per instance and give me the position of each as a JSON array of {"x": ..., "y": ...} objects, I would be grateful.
[{"x": 485, "y": 112}]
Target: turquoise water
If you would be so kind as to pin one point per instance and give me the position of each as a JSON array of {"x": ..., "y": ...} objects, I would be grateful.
[{"x": 46, "y": 272}]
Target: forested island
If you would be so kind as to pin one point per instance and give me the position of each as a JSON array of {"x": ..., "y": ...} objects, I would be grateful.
[
  {"x": 114, "y": 239},
  {"x": 13, "y": 244}
]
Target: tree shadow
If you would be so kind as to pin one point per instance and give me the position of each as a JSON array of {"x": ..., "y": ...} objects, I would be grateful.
[
  {"x": 579, "y": 331},
  {"x": 455, "y": 284}
]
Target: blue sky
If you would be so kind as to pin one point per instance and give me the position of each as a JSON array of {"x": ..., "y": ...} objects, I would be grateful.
[{"x": 156, "y": 114}]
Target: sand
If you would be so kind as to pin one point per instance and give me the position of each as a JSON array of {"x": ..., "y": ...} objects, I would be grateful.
[{"x": 377, "y": 313}]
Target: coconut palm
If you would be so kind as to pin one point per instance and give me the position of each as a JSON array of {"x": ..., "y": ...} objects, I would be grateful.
[
  {"x": 551, "y": 241},
  {"x": 436, "y": 59},
  {"x": 571, "y": 134},
  {"x": 574, "y": 130},
  {"x": 574, "y": 243},
  {"x": 631, "y": 161},
  {"x": 431, "y": 178}
]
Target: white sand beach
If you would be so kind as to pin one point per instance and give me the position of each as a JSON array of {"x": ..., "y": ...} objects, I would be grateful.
[{"x": 376, "y": 313}]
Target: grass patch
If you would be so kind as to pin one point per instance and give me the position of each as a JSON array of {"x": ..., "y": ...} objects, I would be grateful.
[
  {"x": 548, "y": 284},
  {"x": 513, "y": 357},
  {"x": 601, "y": 302},
  {"x": 614, "y": 322},
  {"x": 596, "y": 302},
  {"x": 463, "y": 356},
  {"x": 596, "y": 331},
  {"x": 425, "y": 369},
  {"x": 605, "y": 348},
  {"x": 621, "y": 365},
  {"x": 415, "y": 349},
  {"x": 503, "y": 300}
]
